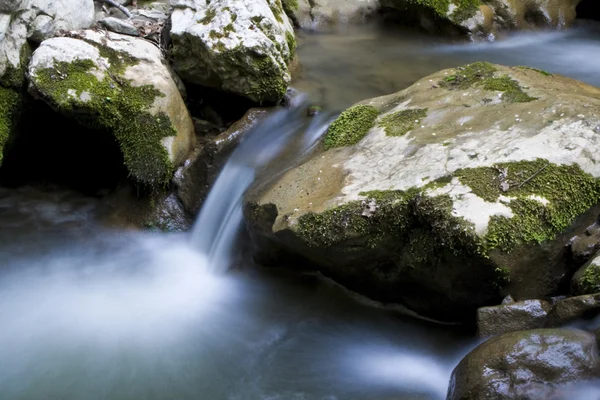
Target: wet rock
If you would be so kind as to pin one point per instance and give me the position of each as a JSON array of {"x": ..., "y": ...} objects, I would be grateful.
[
  {"x": 586, "y": 245},
  {"x": 587, "y": 279},
  {"x": 197, "y": 176},
  {"x": 119, "y": 26},
  {"x": 205, "y": 128},
  {"x": 451, "y": 232},
  {"x": 326, "y": 13},
  {"x": 121, "y": 84},
  {"x": 517, "y": 316},
  {"x": 238, "y": 47},
  {"x": 525, "y": 365},
  {"x": 575, "y": 308}
]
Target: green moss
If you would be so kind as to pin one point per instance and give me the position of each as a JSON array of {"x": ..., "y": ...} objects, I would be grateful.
[
  {"x": 568, "y": 190},
  {"x": 511, "y": 90},
  {"x": 257, "y": 19},
  {"x": 228, "y": 28},
  {"x": 277, "y": 9},
  {"x": 210, "y": 14},
  {"x": 351, "y": 126},
  {"x": 269, "y": 83},
  {"x": 541, "y": 71},
  {"x": 468, "y": 75},
  {"x": 290, "y": 7},
  {"x": 590, "y": 279},
  {"x": 9, "y": 105},
  {"x": 113, "y": 104},
  {"x": 482, "y": 74},
  {"x": 15, "y": 76},
  {"x": 400, "y": 122},
  {"x": 215, "y": 35},
  {"x": 464, "y": 8},
  {"x": 291, "y": 42}
]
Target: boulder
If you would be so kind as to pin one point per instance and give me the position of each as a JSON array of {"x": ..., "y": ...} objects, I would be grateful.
[
  {"x": 525, "y": 365},
  {"x": 585, "y": 245},
  {"x": 120, "y": 26},
  {"x": 517, "y": 316},
  {"x": 235, "y": 46},
  {"x": 324, "y": 13},
  {"x": 120, "y": 84},
  {"x": 195, "y": 179},
  {"x": 587, "y": 279},
  {"x": 445, "y": 196},
  {"x": 575, "y": 308}
]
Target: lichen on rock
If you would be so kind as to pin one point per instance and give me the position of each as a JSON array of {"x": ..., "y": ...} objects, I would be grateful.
[{"x": 9, "y": 105}]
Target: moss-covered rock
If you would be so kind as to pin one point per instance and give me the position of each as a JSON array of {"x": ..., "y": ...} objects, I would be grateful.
[
  {"x": 447, "y": 195},
  {"x": 587, "y": 279},
  {"x": 238, "y": 47},
  {"x": 120, "y": 85}
]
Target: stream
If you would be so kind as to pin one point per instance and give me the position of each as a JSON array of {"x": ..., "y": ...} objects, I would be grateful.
[{"x": 91, "y": 313}]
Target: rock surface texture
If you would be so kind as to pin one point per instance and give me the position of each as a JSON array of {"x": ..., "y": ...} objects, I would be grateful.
[
  {"x": 120, "y": 84},
  {"x": 235, "y": 46},
  {"x": 526, "y": 365},
  {"x": 444, "y": 194},
  {"x": 517, "y": 316}
]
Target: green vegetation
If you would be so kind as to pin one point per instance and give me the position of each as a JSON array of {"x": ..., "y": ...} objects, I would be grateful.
[
  {"x": 590, "y": 280},
  {"x": 400, "y": 122},
  {"x": 351, "y": 126},
  {"x": 482, "y": 74},
  {"x": 9, "y": 106},
  {"x": 210, "y": 14},
  {"x": 541, "y": 71}
]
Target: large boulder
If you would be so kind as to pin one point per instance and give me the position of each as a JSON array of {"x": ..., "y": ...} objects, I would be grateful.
[
  {"x": 241, "y": 47},
  {"x": 526, "y": 365},
  {"x": 121, "y": 84},
  {"x": 444, "y": 196}
]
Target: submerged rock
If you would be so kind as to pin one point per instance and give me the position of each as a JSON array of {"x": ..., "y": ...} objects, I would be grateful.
[
  {"x": 525, "y": 365},
  {"x": 517, "y": 316},
  {"x": 121, "y": 84},
  {"x": 235, "y": 46},
  {"x": 445, "y": 196}
]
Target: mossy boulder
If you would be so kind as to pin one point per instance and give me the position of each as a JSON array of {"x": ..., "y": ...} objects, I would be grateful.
[
  {"x": 587, "y": 279},
  {"x": 121, "y": 84},
  {"x": 10, "y": 103},
  {"x": 312, "y": 14},
  {"x": 235, "y": 46},
  {"x": 445, "y": 196},
  {"x": 533, "y": 365}
]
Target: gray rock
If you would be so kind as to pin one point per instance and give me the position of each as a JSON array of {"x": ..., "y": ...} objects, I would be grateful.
[
  {"x": 575, "y": 308},
  {"x": 120, "y": 26},
  {"x": 238, "y": 47},
  {"x": 525, "y": 365},
  {"x": 42, "y": 28},
  {"x": 518, "y": 316}
]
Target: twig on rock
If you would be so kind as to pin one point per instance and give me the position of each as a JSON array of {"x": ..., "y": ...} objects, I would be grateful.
[
  {"x": 534, "y": 175},
  {"x": 120, "y": 7}
]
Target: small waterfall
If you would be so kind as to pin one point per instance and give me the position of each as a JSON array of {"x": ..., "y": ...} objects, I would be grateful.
[{"x": 220, "y": 218}]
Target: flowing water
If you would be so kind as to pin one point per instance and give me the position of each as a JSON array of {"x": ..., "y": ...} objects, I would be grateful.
[{"x": 91, "y": 313}]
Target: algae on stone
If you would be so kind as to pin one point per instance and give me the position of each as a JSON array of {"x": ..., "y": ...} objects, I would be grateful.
[
  {"x": 351, "y": 126},
  {"x": 401, "y": 122}
]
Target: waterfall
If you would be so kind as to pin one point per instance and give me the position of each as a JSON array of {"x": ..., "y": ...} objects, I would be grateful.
[{"x": 220, "y": 219}]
